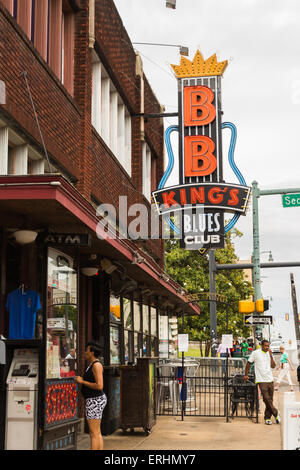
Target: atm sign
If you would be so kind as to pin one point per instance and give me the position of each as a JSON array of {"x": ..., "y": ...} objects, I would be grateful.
[{"x": 291, "y": 200}]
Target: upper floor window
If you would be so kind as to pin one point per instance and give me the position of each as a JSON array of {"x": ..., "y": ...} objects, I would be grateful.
[
  {"x": 110, "y": 116},
  {"x": 50, "y": 25}
]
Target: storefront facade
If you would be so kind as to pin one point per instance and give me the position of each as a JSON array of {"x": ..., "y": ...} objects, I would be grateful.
[{"x": 53, "y": 191}]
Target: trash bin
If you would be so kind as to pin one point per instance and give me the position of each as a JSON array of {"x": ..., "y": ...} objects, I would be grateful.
[{"x": 138, "y": 395}]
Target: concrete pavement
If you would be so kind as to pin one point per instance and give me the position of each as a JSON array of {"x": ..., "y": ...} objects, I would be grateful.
[{"x": 196, "y": 433}]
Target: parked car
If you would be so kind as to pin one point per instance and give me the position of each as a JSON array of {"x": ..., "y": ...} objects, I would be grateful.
[{"x": 275, "y": 345}]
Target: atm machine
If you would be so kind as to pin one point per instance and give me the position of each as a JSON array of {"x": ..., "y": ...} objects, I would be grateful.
[{"x": 22, "y": 401}]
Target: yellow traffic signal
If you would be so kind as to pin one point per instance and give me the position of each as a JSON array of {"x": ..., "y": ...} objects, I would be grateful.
[
  {"x": 287, "y": 317},
  {"x": 246, "y": 306},
  {"x": 260, "y": 306}
]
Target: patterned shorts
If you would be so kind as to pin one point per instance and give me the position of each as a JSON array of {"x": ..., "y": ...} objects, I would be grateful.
[{"x": 94, "y": 407}]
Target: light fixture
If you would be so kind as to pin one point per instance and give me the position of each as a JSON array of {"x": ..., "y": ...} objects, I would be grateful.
[
  {"x": 184, "y": 50},
  {"x": 171, "y": 4},
  {"x": 25, "y": 237},
  {"x": 137, "y": 259},
  {"x": 128, "y": 286},
  {"x": 146, "y": 292},
  {"x": 164, "y": 277},
  {"x": 89, "y": 271},
  {"x": 107, "y": 266}
]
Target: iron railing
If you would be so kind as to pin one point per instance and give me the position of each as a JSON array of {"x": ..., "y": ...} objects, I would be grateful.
[{"x": 209, "y": 387}]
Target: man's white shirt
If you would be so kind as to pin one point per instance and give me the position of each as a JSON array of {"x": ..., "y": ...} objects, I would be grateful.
[{"x": 262, "y": 366}]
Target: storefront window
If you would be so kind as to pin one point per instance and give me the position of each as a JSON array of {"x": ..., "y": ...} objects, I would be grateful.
[
  {"x": 145, "y": 319},
  {"x": 114, "y": 345},
  {"x": 145, "y": 345},
  {"x": 138, "y": 348},
  {"x": 115, "y": 309},
  {"x": 128, "y": 343},
  {"x": 153, "y": 345},
  {"x": 127, "y": 313},
  {"x": 163, "y": 336},
  {"x": 61, "y": 315},
  {"x": 153, "y": 322},
  {"x": 137, "y": 316}
]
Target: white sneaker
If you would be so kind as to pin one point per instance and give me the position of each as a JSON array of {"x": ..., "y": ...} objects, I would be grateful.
[
  {"x": 278, "y": 420},
  {"x": 268, "y": 421}
]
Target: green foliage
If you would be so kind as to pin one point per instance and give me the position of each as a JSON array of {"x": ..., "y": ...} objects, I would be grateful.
[{"x": 191, "y": 271}]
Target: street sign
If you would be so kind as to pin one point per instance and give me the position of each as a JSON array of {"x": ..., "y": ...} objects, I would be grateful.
[
  {"x": 258, "y": 319},
  {"x": 291, "y": 200}
]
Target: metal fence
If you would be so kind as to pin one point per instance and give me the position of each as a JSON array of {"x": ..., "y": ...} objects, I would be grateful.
[{"x": 209, "y": 387}]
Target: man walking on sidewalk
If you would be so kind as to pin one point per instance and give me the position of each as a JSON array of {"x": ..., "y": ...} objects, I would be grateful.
[{"x": 263, "y": 362}]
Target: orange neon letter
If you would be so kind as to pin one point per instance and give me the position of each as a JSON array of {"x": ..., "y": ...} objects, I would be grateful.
[
  {"x": 198, "y": 155},
  {"x": 198, "y": 107}
]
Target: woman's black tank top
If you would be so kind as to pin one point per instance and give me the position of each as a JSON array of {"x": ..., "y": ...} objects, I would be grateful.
[{"x": 89, "y": 377}]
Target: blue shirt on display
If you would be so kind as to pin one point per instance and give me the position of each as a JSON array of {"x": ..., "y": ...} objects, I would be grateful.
[{"x": 22, "y": 309}]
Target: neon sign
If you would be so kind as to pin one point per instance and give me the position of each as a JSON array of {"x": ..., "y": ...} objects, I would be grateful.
[{"x": 201, "y": 192}]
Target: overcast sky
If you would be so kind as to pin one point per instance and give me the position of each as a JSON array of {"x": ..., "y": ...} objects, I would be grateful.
[{"x": 261, "y": 96}]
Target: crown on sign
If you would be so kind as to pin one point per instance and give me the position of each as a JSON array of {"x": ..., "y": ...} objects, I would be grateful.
[{"x": 199, "y": 67}]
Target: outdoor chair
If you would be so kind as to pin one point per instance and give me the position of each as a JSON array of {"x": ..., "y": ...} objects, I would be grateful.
[{"x": 165, "y": 390}]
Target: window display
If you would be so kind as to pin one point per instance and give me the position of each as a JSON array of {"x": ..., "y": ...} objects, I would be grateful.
[
  {"x": 114, "y": 345},
  {"x": 23, "y": 305},
  {"x": 115, "y": 309},
  {"x": 128, "y": 346},
  {"x": 146, "y": 319},
  {"x": 127, "y": 313},
  {"x": 137, "y": 316},
  {"x": 61, "y": 315},
  {"x": 153, "y": 322}
]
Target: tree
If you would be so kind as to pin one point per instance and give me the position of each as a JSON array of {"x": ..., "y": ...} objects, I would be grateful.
[{"x": 191, "y": 270}]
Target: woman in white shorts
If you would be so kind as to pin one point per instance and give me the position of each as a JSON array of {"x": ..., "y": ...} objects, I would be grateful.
[
  {"x": 285, "y": 367},
  {"x": 95, "y": 398}
]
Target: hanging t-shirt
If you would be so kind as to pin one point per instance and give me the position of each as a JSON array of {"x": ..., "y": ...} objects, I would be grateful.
[{"x": 22, "y": 309}]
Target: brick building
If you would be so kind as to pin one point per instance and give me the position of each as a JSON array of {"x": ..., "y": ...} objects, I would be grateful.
[{"x": 72, "y": 137}]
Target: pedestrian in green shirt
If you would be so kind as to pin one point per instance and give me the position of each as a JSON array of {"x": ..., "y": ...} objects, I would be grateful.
[
  {"x": 285, "y": 367},
  {"x": 244, "y": 347}
]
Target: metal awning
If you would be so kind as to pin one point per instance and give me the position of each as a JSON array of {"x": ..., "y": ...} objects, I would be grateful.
[{"x": 50, "y": 202}]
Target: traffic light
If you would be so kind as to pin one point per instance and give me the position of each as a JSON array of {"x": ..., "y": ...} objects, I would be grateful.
[
  {"x": 287, "y": 317},
  {"x": 260, "y": 305},
  {"x": 246, "y": 306}
]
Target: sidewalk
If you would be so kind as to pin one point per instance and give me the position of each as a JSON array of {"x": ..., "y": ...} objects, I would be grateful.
[{"x": 196, "y": 433}]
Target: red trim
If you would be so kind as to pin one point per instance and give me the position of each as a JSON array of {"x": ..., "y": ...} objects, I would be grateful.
[{"x": 56, "y": 188}]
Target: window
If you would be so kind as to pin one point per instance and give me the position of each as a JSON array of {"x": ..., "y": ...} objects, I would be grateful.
[
  {"x": 115, "y": 325},
  {"x": 50, "y": 25},
  {"x": 61, "y": 314},
  {"x": 114, "y": 345},
  {"x": 115, "y": 309},
  {"x": 146, "y": 319},
  {"x": 9, "y": 4},
  {"x": 163, "y": 336},
  {"x": 110, "y": 117},
  {"x": 137, "y": 316}
]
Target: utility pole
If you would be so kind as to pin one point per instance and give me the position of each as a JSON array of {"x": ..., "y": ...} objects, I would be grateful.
[
  {"x": 295, "y": 311},
  {"x": 256, "y": 193}
]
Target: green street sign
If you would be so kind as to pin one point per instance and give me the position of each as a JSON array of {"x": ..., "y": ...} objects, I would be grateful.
[{"x": 291, "y": 200}]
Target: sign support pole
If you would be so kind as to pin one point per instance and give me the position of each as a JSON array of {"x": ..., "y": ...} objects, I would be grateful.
[
  {"x": 183, "y": 391},
  {"x": 213, "y": 303}
]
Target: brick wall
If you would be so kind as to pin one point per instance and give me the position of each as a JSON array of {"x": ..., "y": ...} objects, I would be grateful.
[
  {"x": 65, "y": 121},
  {"x": 59, "y": 115}
]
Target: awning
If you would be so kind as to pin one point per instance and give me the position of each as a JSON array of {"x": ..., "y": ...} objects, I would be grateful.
[{"x": 51, "y": 202}]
